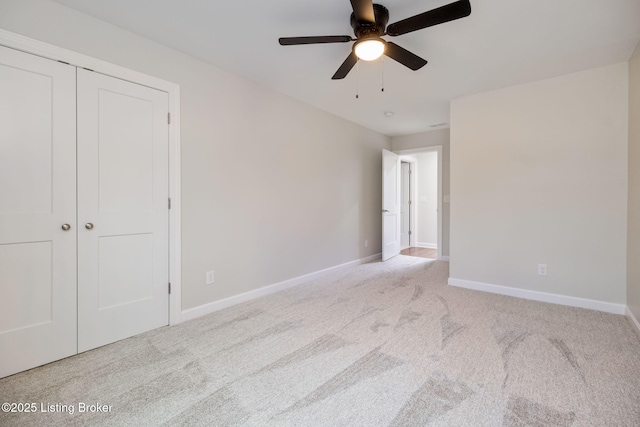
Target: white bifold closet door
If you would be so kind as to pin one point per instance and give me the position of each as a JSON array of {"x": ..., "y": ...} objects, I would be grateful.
[
  {"x": 37, "y": 197},
  {"x": 123, "y": 216},
  {"x": 83, "y": 210}
]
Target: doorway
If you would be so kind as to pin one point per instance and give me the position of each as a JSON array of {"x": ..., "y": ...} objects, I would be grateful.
[{"x": 421, "y": 203}]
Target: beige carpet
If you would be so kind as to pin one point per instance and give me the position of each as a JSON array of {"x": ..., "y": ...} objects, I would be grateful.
[{"x": 381, "y": 344}]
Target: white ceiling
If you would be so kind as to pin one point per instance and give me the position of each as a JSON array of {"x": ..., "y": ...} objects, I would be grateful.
[{"x": 503, "y": 42}]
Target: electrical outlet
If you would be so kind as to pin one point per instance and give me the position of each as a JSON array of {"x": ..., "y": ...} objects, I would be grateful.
[
  {"x": 210, "y": 277},
  {"x": 542, "y": 269}
]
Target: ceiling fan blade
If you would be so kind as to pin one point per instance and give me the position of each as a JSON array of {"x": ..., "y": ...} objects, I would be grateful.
[
  {"x": 363, "y": 10},
  {"x": 404, "y": 57},
  {"x": 290, "y": 41},
  {"x": 449, "y": 12},
  {"x": 346, "y": 66}
]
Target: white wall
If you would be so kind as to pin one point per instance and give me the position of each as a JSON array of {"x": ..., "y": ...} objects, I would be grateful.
[
  {"x": 633, "y": 222},
  {"x": 272, "y": 188},
  {"x": 425, "y": 140},
  {"x": 539, "y": 175},
  {"x": 427, "y": 201}
]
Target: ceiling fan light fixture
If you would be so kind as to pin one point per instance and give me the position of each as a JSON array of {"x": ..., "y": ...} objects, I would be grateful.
[{"x": 370, "y": 49}]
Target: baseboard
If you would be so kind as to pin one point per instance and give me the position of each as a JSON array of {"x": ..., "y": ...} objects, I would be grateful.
[
  {"x": 633, "y": 320},
  {"x": 214, "y": 306},
  {"x": 427, "y": 245},
  {"x": 607, "y": 307},
  {"x": 444, "y": 258}
]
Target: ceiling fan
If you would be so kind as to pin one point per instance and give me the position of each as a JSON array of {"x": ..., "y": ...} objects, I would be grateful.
[{"x": 369, "y": 22}]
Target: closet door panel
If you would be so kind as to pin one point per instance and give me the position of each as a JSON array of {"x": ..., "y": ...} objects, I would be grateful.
[
  {"x": 122, "y": 209},
  {"x": 37, "y": 197}
]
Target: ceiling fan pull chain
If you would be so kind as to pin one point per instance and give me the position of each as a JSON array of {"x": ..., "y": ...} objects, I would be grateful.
[
  {"x": 357, "y": 79},
  {"x": 382, "y": 90}
]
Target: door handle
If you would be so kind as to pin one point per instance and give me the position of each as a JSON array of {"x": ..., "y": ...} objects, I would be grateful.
[
  {"x": 66, "y": 227},
  {"x": 384, "y": 210},
  {"x": 88, "y": 226}
]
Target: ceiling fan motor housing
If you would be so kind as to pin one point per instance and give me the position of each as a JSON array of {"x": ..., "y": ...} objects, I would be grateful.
[{"x": 370, "y": 29}]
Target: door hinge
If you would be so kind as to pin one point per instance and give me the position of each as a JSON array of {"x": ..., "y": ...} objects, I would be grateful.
[
  {"x": 169, "y": 287},
  {"x": 409, "y": 232},
  {"x": 169, "y": 202},
  {"x": 410, "y": 171},
  {"x": 410, "y": 202},
  {"x": 168, "y": 118}
]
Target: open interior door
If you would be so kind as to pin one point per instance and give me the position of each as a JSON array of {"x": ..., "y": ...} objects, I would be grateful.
[{"x": 390, "y": 205}]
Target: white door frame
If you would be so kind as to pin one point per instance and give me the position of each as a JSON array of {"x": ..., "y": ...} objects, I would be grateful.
[
  {"x": 405, "y": 157},
  {"x": 413, "y": 196},
  {"x": 55, "y": 53}
]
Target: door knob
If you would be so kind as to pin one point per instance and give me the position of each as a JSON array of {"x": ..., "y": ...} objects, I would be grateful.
[
  {"x": 66, "y": 227},
  {"x": 88, "y": 226}
]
